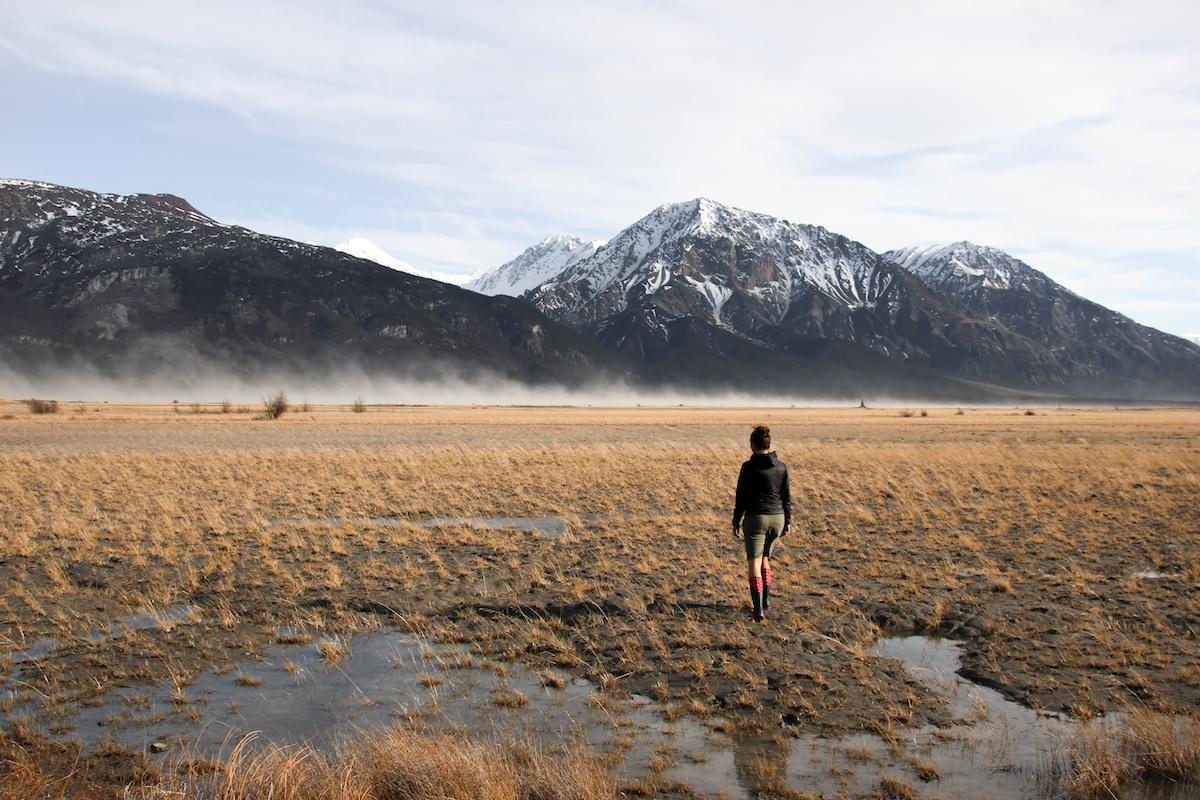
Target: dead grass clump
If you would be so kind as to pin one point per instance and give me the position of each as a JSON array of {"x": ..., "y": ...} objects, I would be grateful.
[
  {"x": 552, "y": 679},
  {"x": 358, "y": 406},
  {"x": 507, "y": 697},
  {"x": 905, "y": 413},
  {"x": 892, "y": 789},
  {"x": 925, "y": 770},
  {"x": 1140, "y": 747},
  {"x": 275, "y": 406},
  {"x": 397, "y": 763},
  {"x": 37, "y": 406},
  {"x": 226, "y": 407},
  {"x": 331, "y": 650}
]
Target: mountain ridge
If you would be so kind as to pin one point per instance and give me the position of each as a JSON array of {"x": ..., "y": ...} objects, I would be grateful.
[
  {"x": 695, "y": 294},
  {"x": 789, "y": 285},
  {"x": 131, "y": 283}
]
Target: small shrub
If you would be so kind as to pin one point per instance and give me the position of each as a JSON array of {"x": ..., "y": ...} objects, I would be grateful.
[
  {"x": 305, "y": 407},
  {"x": 276, "y": 406},
  {"x": 958, "y": 413},
  {"x": 924, "y": 413},
  {"x": 358, "y": 406},
  {"x": 226, "y": 407},
  {"x": 1030, "y": 413},
  {"x": 37, "y": 406},
  {"x": 196, "y": 408},
  {"x": 906, "y": 413}
]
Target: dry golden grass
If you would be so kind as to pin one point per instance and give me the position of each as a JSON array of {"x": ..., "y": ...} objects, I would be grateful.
[
  {"x": 1037, "y": 523},
  {"x": 394, "y": 764},
  {"x": 1103, "y": 756}
]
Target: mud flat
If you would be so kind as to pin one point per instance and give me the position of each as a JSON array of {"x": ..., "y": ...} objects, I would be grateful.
[{"x": 966, "y": 596}]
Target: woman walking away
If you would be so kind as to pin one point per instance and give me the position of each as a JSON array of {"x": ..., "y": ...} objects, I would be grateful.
[{"x": 762, "y": 513}]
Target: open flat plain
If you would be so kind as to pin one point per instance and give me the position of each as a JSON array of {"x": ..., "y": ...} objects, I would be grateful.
[{"x": 144, "y": 546}]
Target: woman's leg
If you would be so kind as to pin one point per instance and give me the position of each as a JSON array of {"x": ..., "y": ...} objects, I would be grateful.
[
  {"x": 754, "y": 537},
  {"x": 766, "y": 579},
  {"x": 754, "y": 567},
  {"x": 768, "y": 541}
]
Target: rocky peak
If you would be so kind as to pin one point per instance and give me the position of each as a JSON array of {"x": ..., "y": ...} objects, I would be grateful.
[
  {"x": 964, "y": 266},
  {"x": 539, "y": 263}
]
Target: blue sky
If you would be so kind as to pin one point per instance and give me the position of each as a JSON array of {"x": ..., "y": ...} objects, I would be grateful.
[{"x": 455, "y": 135}]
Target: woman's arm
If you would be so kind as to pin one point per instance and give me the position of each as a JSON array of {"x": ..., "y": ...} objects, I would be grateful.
[
  {"x": 785, "y": 495},
  {"x": 739, "y": 499}
]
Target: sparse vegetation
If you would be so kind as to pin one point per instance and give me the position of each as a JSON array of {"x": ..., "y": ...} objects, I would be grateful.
[
  {"x": 358, "y": 406},
  {"x": 275, "y": 406},
  {"x": 38, "y": 406},
  {"x": 993, "y": 527}
]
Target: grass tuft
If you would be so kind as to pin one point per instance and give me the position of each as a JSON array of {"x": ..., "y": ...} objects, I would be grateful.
[{"x": 1106, "y": 755}]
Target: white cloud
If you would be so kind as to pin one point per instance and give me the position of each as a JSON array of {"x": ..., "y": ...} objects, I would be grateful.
[{"x": 1064, "y": 128}]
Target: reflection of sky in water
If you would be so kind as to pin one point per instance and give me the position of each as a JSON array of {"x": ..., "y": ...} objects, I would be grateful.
[{"x": 382, "y": 679}]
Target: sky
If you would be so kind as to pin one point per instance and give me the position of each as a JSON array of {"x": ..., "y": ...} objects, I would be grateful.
[{"x": 455, "y": 135}]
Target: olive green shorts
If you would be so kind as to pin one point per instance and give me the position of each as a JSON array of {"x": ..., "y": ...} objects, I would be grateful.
[{"x": 759, "y": 532}]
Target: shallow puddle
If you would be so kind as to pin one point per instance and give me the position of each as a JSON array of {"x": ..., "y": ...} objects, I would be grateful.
[
  {"x": 144, "y": 619},
  {"x": 294, "y": 695},
  {"x": 1154, "y": 575}
]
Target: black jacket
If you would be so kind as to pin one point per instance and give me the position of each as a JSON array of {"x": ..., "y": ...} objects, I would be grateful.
[{"x": 763, "y": 488}]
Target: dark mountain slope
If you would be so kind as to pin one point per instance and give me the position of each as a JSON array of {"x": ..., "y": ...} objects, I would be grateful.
[{"x": 145, "y": 282}]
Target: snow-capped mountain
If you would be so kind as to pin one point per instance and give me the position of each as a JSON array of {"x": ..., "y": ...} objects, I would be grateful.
[
  {"x": 132, "y": 283},
  {"x": 1090, "y": 343},
  {"x": 536, "y": 265},
  {"x": 702, "y": 281},
  {"x": 365, "y": 248},
  {"x": 737, "y": 268}
]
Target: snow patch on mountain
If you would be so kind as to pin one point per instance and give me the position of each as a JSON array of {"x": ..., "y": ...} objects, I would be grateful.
[
  {"x": 538, "y": 264},
  {"x": 961, "y": 266},
  {"x": 368, "y": 250}
]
